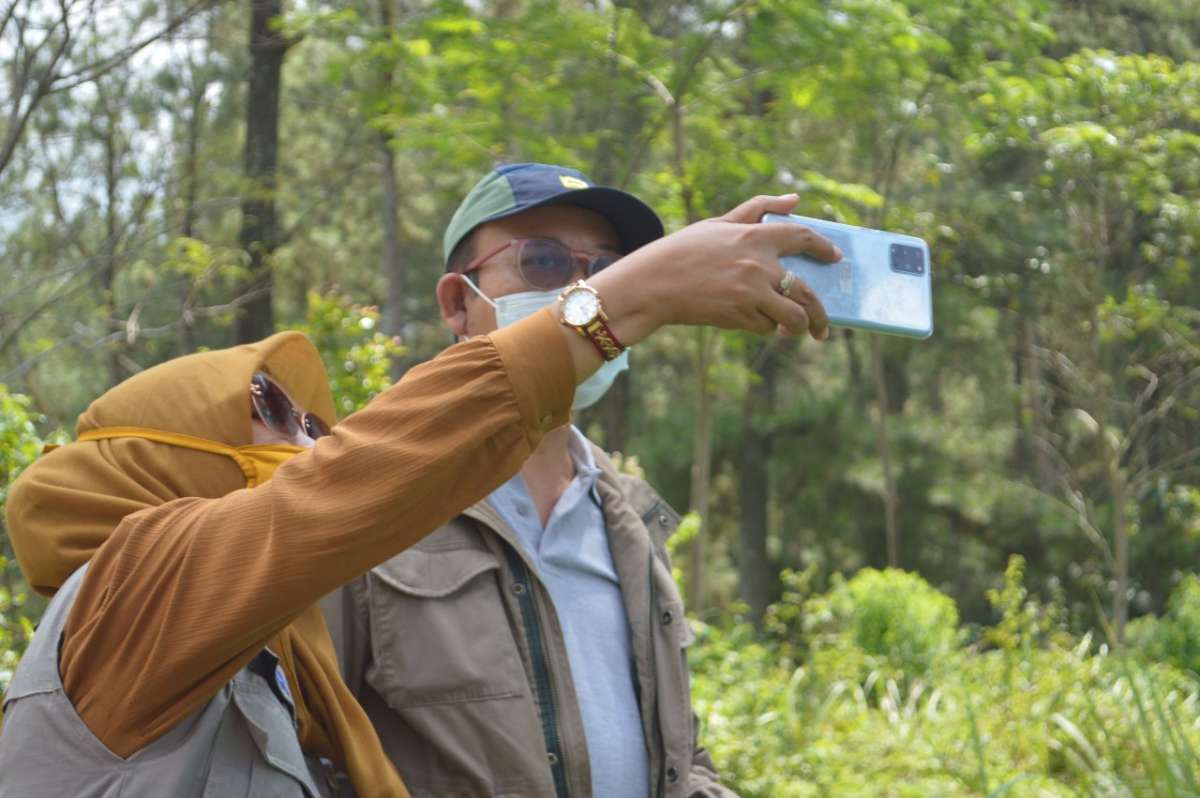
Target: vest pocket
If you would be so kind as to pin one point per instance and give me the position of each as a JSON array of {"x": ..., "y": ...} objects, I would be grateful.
[
  {"x": 440, "y": 632},
  {"x": 257, "y": 751}
]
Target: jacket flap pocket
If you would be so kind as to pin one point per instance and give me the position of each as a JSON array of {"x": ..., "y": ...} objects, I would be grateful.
[
  {"x": 270, "y": 727},
  {"x": 434, "y": 574}
]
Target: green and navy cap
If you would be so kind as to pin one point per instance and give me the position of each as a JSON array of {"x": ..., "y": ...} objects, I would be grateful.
[{"x": 513, "y": 188}]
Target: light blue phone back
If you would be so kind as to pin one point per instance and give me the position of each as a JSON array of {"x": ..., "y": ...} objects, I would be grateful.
[{"x": 863, "y": 290}]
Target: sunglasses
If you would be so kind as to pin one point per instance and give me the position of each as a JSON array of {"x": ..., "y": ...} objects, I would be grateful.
[
  {"x": 274, "y": 407},
  {"x": 547, "y": 264}
]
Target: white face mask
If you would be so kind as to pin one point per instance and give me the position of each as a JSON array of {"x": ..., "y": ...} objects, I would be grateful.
[{"x": 514, "y": 307}]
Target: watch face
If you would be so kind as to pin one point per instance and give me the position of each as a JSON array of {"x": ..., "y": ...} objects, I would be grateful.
[{"x": 579, "y": 307}]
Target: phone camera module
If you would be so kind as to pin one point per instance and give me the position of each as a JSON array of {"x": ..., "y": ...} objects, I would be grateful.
[{"x": 907, "y": 259}]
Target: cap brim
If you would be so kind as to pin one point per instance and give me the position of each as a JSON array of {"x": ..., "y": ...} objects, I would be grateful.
[{"x": 635, "y": 222}]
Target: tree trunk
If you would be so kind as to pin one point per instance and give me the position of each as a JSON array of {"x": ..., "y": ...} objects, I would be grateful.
[
  {"x": 392, "y": 321},
  {"x": 614, "y": 413},
  {"x": 701, "y": 467},
  {"x": 754, "y": 567},
  {"x": 890, "y": 498},
  {"x": 186, "y": 342},
  {"x": 108, "y": 271},
  {"x": 1029, "y": 449},
  {"x": 393, "y": 258},
  {"x": 260, "y": 234},
  {"x": 1116, "y": 479},
  {"x": 702, "y": 432}
]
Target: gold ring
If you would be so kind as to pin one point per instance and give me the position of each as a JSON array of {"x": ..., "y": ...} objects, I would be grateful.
[{"x": 785, "y": 285}]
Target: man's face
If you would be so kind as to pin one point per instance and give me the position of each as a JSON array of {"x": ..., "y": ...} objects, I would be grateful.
[{"x": 465, "y": 313}]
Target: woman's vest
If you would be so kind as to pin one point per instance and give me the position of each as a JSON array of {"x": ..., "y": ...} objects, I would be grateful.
[{"x": 243, "y": 742}]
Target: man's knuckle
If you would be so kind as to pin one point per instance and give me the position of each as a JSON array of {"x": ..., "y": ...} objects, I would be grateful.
[
  {"x": 744, "y": 270},
  {"x": 745, "y": 234},
  {"x": 741, "y": 295}
]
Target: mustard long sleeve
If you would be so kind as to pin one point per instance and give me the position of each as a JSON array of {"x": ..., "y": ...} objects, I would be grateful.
[{"x": 183, "y": 595}]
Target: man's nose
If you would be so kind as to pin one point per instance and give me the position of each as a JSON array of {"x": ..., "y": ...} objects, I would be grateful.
[{"x": 580, "y": 272}]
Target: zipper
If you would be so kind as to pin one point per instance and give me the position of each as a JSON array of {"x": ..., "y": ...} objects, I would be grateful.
[
  {"x": 541, "y": 673},
  {"x": 657, "y": 724}
]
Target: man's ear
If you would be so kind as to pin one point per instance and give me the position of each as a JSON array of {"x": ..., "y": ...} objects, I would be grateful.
[{"x": 452, "y": 301}]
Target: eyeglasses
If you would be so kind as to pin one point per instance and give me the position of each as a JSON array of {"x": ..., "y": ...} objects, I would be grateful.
[
  {"x": 274, "y": 408},
  {"x": 547, "y": 264}
]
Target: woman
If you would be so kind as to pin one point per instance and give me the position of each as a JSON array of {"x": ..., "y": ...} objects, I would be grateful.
[{"x": 185, "y": 654}]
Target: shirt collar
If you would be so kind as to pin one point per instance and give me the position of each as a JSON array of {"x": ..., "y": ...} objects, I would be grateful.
[{"x": 580, "y": 450}]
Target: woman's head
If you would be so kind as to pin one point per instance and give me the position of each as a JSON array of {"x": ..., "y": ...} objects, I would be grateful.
[{"x": 68, "y": 502}]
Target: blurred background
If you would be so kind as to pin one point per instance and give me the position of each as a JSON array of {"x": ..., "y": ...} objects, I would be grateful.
[{"x": 960, "y": 566}]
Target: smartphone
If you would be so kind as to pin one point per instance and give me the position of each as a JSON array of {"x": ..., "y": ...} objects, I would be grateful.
[{"x": 881, "y": 284}]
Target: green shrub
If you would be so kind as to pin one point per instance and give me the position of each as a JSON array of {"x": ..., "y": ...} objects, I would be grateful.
[
  {"x": 1031, "y": 713},
  {"x": 1175, "y": 637},
  {"x": 893, "y": 617},
  {"x": 20, "y": 444}
]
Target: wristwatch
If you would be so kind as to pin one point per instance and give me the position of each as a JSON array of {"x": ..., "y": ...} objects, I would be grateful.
[{"x": 580, "y": 307}]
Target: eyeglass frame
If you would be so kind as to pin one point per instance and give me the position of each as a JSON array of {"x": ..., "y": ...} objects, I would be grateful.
[
  {"x": 298, "y": 416},
  {"x": 578, "y": 254}
]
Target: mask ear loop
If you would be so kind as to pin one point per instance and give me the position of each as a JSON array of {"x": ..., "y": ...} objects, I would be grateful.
[
  {"x": 176, "y": 439},
  {"x": 471, "y": 284}
]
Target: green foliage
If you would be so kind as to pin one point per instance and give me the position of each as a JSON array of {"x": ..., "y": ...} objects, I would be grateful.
[
  {"x": 200, "y": 262},
  {"x": 1175, "y": 636},
  {"x": 895, "y": 618},
  {"x": 357, "y": 356},
  {"x": 1024, "y": 621},
  {"x": 689, "y": 527},
  {"x": 1055, "y": 717},
  {"x": 20, "y": 444}
]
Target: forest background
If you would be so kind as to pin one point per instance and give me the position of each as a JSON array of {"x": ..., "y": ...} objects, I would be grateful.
[{"x": 959, "y": 566}]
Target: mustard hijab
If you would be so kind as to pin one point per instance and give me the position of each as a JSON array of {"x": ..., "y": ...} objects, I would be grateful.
[{"x": 64, "y": 506}]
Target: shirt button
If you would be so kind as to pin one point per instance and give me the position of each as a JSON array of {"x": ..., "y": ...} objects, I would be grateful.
[
  {"x": 518, "y": 588},
  {"x": 663, "y": 520},
  {"x": 672, "y": 775},
  {"x": 552, "y": 758},
  {"x": 667, "y": 617},
  {"x": 522, "y": 510}
]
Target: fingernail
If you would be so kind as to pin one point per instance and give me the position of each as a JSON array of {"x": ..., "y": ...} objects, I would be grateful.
[
  {"x": 838, "y": 252},
  {"x": 824, "y": 336}
]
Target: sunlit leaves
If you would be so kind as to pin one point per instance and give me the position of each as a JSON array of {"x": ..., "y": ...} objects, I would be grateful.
[
  {"x": 357, "y": 355},
  {"x": 20, "y": 445}
]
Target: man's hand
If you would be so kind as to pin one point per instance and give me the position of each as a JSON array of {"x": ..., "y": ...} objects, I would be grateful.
[{"x": 721, "y": 272}]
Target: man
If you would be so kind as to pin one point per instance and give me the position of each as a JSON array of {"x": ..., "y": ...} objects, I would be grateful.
[
  {"x": 535, "y": 645},
  {"x": 183, "y": 654}
]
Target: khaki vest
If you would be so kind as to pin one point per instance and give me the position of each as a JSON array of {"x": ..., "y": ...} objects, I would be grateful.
[{"x": 243, "y": 742}]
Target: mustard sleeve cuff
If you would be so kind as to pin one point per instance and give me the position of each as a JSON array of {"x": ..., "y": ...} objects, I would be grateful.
[{"x": 540, "y": 369}]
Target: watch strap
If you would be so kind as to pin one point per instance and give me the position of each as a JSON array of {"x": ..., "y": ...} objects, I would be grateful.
[{"x": 603, "y": 338}]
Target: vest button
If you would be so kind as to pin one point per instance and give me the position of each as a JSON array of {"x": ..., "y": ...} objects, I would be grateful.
[
  {"x": 672, "y": 775},
  {"x": 663, "y": 520},
  {"x": 667, "y": 617},
  {"x": 552, "y": 758},
  {"x": 518, "y": 588}
]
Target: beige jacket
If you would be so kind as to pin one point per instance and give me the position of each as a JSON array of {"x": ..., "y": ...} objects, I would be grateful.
[{"x": 454, "y": 649}]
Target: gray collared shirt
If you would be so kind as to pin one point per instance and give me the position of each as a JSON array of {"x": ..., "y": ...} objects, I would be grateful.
[{"x": 572, "y": 558}]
